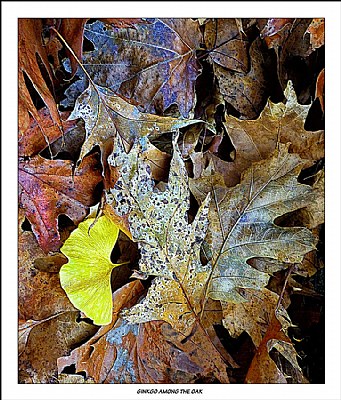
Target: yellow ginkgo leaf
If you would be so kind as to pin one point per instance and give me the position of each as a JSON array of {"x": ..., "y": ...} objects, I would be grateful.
[{"x": 86, "y": 276}]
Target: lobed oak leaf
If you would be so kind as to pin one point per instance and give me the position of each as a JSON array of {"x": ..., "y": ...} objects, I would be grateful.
[
  {"x": 154, "y": 63},
  {"x": 255, "y": 140},
  {"x": 105, "y": 113},
  {"x": 169, "y": 246},
  {"x": 48, "y": 188},
  {"x": 241, "y": 224},
  {"x": 87, "y": 275}
]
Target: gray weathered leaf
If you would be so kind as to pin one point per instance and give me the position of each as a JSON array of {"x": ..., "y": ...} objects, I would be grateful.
[{"x": 242, "y": 224}]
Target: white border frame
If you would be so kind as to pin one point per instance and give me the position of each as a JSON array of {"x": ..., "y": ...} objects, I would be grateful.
[{"x": 13, "y": 10}]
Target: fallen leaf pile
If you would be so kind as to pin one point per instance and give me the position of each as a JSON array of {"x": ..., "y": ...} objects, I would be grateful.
[{"x": 171, "y": 200}]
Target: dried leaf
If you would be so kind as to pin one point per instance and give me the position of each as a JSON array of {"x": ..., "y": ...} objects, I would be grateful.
[
  {"x": 316, "y": 30},
  {"x": 226, "y": 44},
  {"x": 247, "y": 93},
  {"x": 252, "y": 316},
  {"x": 48, "y": 188},
  {"x": 31, "y": 49},
  {"x": 104, "y": 113},
  {"x": 153, "y": 63},
  {"x": 241, "y": 224},
  {"x": 38, "y": 358},
  {"x": 319, "y": 92},
  {"x": 275, "y": 31},
  {"x": 263, "y": 369},
  {"x": 169, "y": 246},
  {"x": 278, "y": 123},
  {"x": 126, "y": 353},
  {"x": 39, "y": 293},
  {"x": 38, "y": 137},
  {"x": 86, "y": 276}
]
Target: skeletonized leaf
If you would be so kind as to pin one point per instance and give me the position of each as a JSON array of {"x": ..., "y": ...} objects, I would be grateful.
[
  {"x": 86, "y": 277},
  {"x": 169, "y": 246},
  {"x": 241, "y": 224}
]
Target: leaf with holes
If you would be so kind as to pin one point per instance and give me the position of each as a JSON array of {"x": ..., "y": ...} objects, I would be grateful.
[
  {"x": 169, "y": 246},
  {"x": 87, "y": 275},
  {"x": 106, "y": 113},
  {"x": 49, "y": 188}
]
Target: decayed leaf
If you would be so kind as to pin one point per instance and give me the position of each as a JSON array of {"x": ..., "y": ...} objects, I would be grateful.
[
  {"x": 38, "y": 137},
  {"x": 278, "y": 123},
  {"x": 39, "y": 293},
  {"x": 247, "y": 93},
  {"x": 42, "y": 342},
  {"x": 316, "y": 209},
  {"x": 86, "y": 276},
  {"x": 48, "y": 188},
  {"x": 153, "y": 63},
  {"x": 31, "y": 47},
  {"x": 105, "y": 113},
  {"x": 147, "y": 353},
  {"x": 263, "y": 369},
  {"x": 252, "y": 316},
  {"x": 169, "y": 246},
  {"x": 241, "y": 224},
  {"x": 316, "y": 30},
  {"x": 275, "y": 31},
  {"x": 226, "y": 44}
]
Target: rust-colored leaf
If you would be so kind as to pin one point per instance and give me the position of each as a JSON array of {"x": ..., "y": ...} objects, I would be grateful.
[
  {"x": 31, "y": 50},
  {"x": 275, "y": 31},
  {"x": 39, "y": 136},
  {"x": 72, "y": 30},
  {"x": 39, "y": 293},
  {"x": 316, "y": 30},
  {"x": 48, "y": 188},
  {"x": 263, "y": 369}
]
